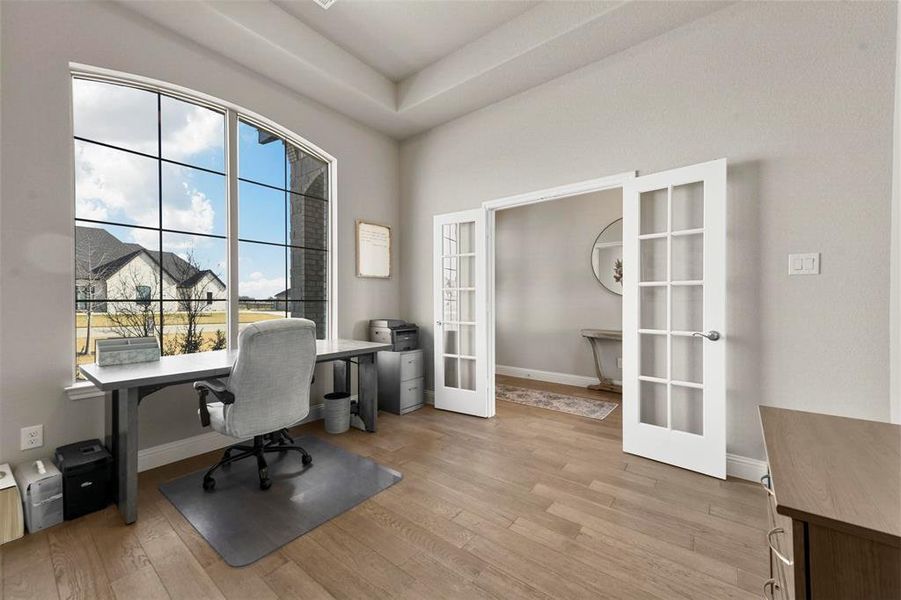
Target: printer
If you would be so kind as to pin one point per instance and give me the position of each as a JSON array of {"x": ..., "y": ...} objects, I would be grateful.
[{"x": 401, "y": 335}]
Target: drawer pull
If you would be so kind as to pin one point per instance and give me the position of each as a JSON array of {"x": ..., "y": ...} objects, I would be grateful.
[
  {"x": 766, "y": 481},
  {"x": 769, "y": 541},
  {"x": 772, "y": 586}
]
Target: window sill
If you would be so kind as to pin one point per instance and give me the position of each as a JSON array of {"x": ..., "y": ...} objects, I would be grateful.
[{"x": 83, "y": 390}]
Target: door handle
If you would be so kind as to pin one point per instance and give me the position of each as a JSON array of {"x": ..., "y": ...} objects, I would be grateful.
[
  {"x": 712, "y": 335},
  {"x": 439, "y": 323}
]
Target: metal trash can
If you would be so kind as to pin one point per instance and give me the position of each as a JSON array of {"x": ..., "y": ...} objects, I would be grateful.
[{"x": 337, "y": 412}]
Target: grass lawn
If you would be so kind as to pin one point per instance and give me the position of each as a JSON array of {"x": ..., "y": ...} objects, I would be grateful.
[{"x": 178, "y": 318}]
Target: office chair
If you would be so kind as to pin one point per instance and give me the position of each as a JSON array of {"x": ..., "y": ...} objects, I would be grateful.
[{"x": 267, "y": 392}]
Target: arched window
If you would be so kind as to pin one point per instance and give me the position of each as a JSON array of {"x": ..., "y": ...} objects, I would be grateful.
[{"x": 184, "y": 236}]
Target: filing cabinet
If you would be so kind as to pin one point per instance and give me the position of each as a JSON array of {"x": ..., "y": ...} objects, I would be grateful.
[{"x": 401, "y": 383}]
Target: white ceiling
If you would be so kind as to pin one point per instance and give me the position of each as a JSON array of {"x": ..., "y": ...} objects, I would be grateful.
[
  {"x": 400, "y": 37},
  {"x": 403, "y": 67}
]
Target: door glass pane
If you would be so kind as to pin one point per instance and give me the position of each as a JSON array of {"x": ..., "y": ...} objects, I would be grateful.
[
  {"x": 451, "y": 306},
  {"x": 467, "y": 306},
  {"x": 466, "y": 271},
  {"x": 688, "y": 409},
  {"x": 688, "y": 359},
  {"x": 450, "y": 372},
  {"x": 652, "y": 404},
  {"x": 688, "y": 257},
  {"x": 653, "y": 211},
  {"x": 467, "y": 237},
  {"x": 451, "y": 338},
  {"x": 688, "y": 206},
  {"x": 653, "y": 259},
  {"x": 467, "y": 374},
  {"x": 449, "y": 272},
  {"x": 449, "y": 239},
  {"x": 688, "y": 307},
  {"x": 653, "y": 307},
  {"x": 467, "y": 340},
  {"x": 653, "y": 355}
]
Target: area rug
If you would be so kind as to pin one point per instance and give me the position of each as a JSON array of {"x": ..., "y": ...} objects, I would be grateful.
[
  {"x": 584, "y": 407},
  {"x": 243, "y": 523}
]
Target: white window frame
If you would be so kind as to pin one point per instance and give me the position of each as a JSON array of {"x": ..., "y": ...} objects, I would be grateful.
[{"x": 232, "y": 113}]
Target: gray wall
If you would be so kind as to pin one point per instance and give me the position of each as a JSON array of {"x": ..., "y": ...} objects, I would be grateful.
[
  {"x": 799, "y": 98},
  {"x": 545, "y": 291},
  {"x": 36, "y": 204}
]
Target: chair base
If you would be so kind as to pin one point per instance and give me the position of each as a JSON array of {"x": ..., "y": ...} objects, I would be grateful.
[{"x": 277, "y": 441}]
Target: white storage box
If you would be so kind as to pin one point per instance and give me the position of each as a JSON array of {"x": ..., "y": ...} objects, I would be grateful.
[
  {"x": 42, "y": 494},
  {"x": 126, "y": 351}
]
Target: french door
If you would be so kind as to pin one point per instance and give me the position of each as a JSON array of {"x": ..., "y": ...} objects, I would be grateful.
[
  {"x": 674, "y": 313},
  {"x": 461, "y": 373}
]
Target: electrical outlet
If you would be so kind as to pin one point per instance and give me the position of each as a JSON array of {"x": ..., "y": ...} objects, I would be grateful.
[
  {"x": 32, "y": 437},
  {"x": 619, "y": 362}
]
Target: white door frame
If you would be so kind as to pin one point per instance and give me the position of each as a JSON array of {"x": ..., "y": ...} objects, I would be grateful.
[{"x": 491, "y": 207}]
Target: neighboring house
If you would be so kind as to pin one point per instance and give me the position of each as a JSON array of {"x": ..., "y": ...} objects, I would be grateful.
[{"x": 107, "y": 268}]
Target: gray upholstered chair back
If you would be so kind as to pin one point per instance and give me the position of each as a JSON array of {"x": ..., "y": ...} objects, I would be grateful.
[{"x": 271, "y": 376}]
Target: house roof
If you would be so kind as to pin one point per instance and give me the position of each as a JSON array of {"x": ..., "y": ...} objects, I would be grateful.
[{"x": 98, "y": 253}]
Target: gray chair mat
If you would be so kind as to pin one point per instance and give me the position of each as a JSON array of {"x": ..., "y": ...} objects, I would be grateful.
[{"x": 243, "y": 523}]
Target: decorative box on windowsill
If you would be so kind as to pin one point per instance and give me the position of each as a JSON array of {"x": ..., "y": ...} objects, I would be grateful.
[{"x": 127, "y": 351}]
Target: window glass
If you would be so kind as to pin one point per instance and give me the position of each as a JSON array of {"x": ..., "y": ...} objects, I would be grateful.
[{"x": 151, "y": 222}]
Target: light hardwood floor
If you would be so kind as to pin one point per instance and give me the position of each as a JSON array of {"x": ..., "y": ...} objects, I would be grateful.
[{"x": 530, "y": 504}]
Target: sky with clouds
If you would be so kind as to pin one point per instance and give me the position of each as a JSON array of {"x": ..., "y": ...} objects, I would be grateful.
[{"x": 121, "y": 187}]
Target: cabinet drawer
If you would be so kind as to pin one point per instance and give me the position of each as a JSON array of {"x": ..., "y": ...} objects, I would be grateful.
[
  {"x": 411, "y": 394},
  {"x": 411, "y": 365}
]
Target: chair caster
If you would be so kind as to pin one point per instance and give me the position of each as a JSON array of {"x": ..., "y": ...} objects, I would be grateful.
[
  {"x": 307, "y": 459},
  {"x": 209, "y": 484},
  {"x": 265, "y": 484}
]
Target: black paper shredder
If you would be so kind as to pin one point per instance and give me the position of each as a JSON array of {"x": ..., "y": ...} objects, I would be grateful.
[{"x": 87, "y": 469}]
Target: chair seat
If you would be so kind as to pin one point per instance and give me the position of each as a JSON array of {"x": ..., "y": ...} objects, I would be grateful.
[{"x": 217, "y": 417}]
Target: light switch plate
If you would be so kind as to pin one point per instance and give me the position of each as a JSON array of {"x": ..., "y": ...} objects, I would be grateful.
[{"x": 804, "y": 264}]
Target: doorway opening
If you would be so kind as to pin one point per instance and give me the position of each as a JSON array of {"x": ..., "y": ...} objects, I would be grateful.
[{"x": 558, "y": 304}]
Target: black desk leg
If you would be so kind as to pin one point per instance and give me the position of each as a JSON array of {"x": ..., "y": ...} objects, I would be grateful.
[
  {"x": 125, "y": 444},
  {"x": 369, "y": 387}
]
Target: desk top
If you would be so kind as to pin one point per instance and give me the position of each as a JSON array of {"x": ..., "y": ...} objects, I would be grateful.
[
  {"x": 202, "y": 365},
  {"x": 834, "y": 471}
]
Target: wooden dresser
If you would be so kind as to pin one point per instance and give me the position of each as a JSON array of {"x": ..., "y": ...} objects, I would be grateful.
[{"x": 834, "y": 486}]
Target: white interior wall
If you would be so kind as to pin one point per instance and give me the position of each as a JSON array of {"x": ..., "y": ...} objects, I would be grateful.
[
  {"x": 545, "y": 291},
  {"x": 39, "y": 40},
  {"x": 798, "y": 97}
]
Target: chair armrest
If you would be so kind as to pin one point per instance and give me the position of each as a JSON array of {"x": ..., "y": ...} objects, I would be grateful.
[{"x": 219, "y": 390}]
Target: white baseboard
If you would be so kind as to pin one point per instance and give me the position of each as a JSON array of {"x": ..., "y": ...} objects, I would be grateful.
[
  {"x": 743, "y": 467},
  {"x": 550, "y": 376},
  {"x": 157, "y": 456}
]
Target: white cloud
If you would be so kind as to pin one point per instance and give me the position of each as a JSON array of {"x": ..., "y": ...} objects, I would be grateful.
[
  {"x": 117, "y": 186},
  {"x": 259, "y": 286},
  {"x": 190, "y": 130},
  {"x": 197, "y": 214}
]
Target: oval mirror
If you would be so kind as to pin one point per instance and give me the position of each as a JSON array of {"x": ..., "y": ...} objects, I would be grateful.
[{"x": 607, "y": 257}]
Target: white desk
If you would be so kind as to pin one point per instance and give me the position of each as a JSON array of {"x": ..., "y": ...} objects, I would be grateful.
[{"x": 129, "y": 384}]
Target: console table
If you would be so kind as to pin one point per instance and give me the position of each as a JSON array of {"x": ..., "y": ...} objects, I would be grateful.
[{"x": 595, "y": 337}]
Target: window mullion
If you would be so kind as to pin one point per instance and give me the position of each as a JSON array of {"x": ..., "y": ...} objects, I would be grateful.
[{"x": 231, "y": 173}]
